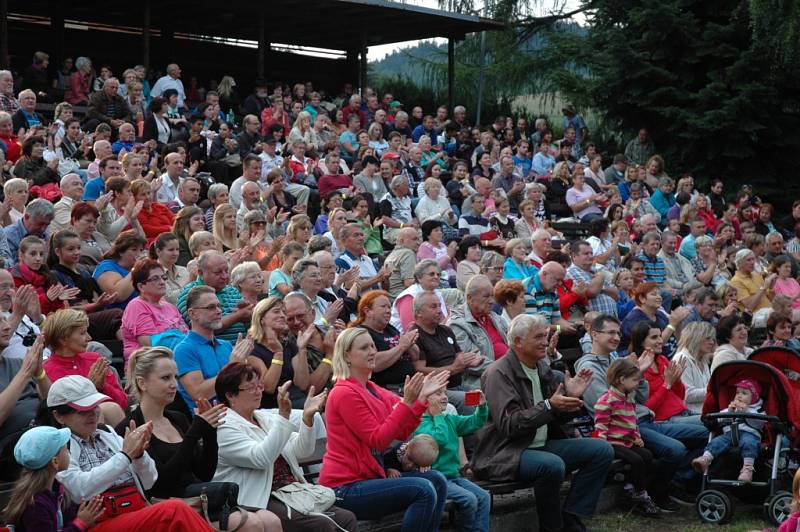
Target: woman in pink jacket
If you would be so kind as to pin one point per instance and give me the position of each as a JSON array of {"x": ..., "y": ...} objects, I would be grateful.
[{"x": 363, "y": 419}]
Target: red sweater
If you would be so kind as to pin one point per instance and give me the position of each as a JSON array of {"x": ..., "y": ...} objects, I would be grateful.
[
  {"x": 664, "y": 403},
  {"x": 358, "y": 421},
  {"x": 58, "y": 366},
  {"x": 156, "y": 221}
]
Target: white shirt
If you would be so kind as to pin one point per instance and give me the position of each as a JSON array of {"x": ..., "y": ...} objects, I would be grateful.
[
  {"x": 168, "y": 191},
  {"x": 15, "y": 349},
  {"x": 168, "y": 82},
  {"x": 235, "y": 194}
]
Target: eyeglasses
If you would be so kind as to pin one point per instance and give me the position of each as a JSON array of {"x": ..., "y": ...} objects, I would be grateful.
[
  {"x": 610, "y": 333},
  {"x": 156, "y": 278},
  {"x": 252, "y": 388},
  {"x": 213, "y": 306},
  {"x": 258, "y": 223}
]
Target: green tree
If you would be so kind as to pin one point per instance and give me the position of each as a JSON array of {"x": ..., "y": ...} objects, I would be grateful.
[{"x": 693, "y": 73}]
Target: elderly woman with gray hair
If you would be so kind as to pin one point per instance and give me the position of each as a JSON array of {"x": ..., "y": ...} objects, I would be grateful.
[
  {"x": 248, "y": 279},
  {"x": 426, "y": 278},
  {"x": 217, "y": 195},
  {"x": 707, "y": 264},
  {"x": 755, "y": 291}
]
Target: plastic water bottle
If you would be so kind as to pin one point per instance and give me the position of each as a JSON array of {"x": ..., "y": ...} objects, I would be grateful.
[{"x": 231, "y": 118}]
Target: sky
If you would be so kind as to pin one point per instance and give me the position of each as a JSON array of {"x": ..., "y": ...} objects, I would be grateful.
[{"x": 376, "y": 53}]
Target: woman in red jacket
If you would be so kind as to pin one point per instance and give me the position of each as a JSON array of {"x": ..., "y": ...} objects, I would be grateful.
[
  {"x": 663, "y": 377},
  {"x": 65, "y": 333},
  {"x": 362, "y": 420},
  {"x": 155, "y": 218}
]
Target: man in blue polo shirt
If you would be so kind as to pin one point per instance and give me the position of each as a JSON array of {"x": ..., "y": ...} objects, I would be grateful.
[
  {"x": 541, "y": 296},
  {"x": 200, "y": 356}
]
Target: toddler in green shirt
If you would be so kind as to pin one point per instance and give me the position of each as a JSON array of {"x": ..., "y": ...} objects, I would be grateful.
[{"x": 472, "y": 502}]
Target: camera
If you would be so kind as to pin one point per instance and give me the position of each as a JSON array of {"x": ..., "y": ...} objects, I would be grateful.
[{"x": 29, "y": 338}]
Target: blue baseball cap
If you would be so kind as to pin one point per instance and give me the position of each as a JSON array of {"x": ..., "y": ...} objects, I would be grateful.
[{"x": 39, "y": 445}]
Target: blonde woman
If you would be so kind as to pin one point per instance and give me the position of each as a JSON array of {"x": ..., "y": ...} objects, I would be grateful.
[
  {"x": 184, "y": 450},
  {"x": 361, "y": 416},
  {"x": 299, "y": 229},
  {"x": 224, "y": 227},
  {"x": 376, "y": 140},
  {"x": 302, "y": 130},
  {"x": 337, "y": 219},
  {"x": 133, "y": 166},
  {"x": 696, "y": 345},
  {"x": 275, "y": 354},
  {"x": 16, "y": 191},
  {"x": 202, "y": 241}
]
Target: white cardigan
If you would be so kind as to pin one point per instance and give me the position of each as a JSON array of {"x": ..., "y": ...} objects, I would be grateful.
[
  {"x": 248, "y": 452},
  {"x": 695, "y": 379},
  {"x": 82, "y": 485}
]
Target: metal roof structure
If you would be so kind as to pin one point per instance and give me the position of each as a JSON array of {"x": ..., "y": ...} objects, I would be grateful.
[{"x": 333, "y": 24}]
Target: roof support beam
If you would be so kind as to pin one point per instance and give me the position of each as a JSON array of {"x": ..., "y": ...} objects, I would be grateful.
[
  {"x": 4, "y": 34},
  {"x": 362, "y": 69},
  {"x": 263, "y": 42},
  {"x": 146, "y": 35},
  {"x": 451, "y": 72}
]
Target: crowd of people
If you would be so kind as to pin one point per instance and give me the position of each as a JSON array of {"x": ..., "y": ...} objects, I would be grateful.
[{"x": 295, "y": 272}]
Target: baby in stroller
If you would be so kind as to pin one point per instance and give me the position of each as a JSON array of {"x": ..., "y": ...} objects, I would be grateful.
[{"x": 747, "y": 399}]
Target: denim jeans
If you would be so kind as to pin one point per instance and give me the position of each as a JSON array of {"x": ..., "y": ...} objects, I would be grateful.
[
  {"x": 668, "y": 440},
  {"x": 420, "y": 495},
  {"x": 749, "y": 444},
  {"x": 472, "y": 505},
  {"x": 545, "y": 468}
]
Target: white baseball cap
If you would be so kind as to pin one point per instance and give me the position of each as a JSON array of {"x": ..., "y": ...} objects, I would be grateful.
[{"x": 77, "y": 392}]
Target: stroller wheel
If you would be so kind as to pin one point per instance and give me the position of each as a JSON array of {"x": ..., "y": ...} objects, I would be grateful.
[
  {"x": 714, "y": 507},
  {"x": 778, "y": 507}
]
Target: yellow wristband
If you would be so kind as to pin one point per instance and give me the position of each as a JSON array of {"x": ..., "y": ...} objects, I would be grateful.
[
  {"x": 278, "y": 362},
  {"x": 41, "y": 375},
  {"x": 558, "y": 328},
  {"x": 327, "y": 361},
  {"x": 671, "y": 327},
  {"x": 402, "y": 225},
  {"x": 324, "y": 321}
]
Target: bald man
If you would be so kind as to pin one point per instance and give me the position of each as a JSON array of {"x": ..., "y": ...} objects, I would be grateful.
[
  {"x": 541, "y": 296},
  {"x": 403, "y": 259},
  {"x": 101, "y": 149}
]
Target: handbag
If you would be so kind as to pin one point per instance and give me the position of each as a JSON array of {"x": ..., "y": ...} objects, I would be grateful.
[
  {"x": 121, "y": 500},
  {"x": 215, "y": 502},
  {"x": 305, "y": 498}
]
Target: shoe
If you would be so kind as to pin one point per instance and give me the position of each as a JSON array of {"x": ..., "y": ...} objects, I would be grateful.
[
  {"x": 647, "y": 507},
  {"x": 701, "y": 464},
  {"x": 666, "y": 505},
  {"x": 572, "y": 523},
  {"x": 746, "y": 474}
]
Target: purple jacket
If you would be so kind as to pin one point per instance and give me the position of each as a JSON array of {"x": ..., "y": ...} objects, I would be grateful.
[{"x": 42, "y": 515}]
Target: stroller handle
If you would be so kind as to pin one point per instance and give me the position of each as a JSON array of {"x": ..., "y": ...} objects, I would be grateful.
[{"x": 742, "y": 415}]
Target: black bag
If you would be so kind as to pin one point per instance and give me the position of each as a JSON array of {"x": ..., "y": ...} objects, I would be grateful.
[{"x": 222, "y": 499}]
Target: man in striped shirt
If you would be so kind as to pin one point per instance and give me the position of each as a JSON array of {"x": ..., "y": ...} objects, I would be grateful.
[
  {"x": 654, "y": 268},
  {"x": 541, "y": 296}
]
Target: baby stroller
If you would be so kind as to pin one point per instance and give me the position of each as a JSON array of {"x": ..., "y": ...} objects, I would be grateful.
[
  {"x": 714, "y": 503},
  {"x": 784, "y": 359}
]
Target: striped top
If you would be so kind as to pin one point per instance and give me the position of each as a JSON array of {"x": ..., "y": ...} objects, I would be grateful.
[
  {"x": 615, "y": 418},
  {"x": 654, "y": 269},
  {"x": 538, "y": 301}
]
